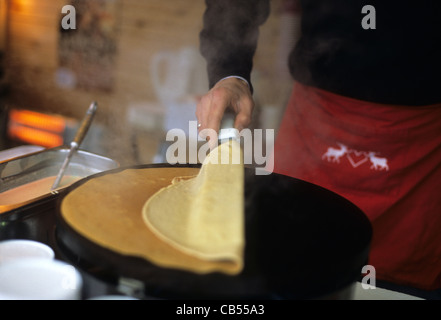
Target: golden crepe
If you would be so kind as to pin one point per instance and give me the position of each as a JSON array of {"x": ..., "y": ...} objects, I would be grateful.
[
  {"x": 108, "y": 210},
  {"x": 203, "y": 216}
]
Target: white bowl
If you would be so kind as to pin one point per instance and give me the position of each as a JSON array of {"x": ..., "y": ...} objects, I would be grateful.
[
  {"x": 39, "y": 279},
  {"x": 19, "y": 249}
]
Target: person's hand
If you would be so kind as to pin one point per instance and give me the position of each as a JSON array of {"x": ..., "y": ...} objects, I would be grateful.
[{"x": 232, "y": 93}]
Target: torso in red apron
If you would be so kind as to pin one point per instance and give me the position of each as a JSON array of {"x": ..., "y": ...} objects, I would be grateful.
[{"x": 386, "y": 160}]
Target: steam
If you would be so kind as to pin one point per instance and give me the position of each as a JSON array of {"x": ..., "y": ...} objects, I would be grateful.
[{"x": 87, "y": 57}]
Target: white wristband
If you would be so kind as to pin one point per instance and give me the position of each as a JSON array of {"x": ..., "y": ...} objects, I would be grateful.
[{"x": 237, "y": 77}]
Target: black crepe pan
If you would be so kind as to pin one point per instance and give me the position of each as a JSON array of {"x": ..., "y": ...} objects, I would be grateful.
[{"x": 302, "y": 242}]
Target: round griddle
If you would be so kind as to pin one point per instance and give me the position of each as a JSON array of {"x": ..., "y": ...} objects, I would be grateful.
[{"x": 302, "y": 242}]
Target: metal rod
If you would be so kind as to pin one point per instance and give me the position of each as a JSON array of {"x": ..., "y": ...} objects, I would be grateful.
[{"x": 75, "y": 144}]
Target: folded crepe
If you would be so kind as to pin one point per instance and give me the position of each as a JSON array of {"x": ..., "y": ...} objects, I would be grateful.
[
  {"x": 203, "y": 216},
  {"x": 111, "y": 211}
]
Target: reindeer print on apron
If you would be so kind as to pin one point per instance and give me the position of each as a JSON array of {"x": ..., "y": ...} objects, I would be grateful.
[{"x": 356, "y": 158}]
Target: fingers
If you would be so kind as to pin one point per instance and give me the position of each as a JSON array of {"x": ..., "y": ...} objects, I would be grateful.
[
  {"x": 214, "y": 108},
  {"x": 244, "y": 114},
  {"x": 229, "y": 93},
  {"x": 209, "y": 113}
]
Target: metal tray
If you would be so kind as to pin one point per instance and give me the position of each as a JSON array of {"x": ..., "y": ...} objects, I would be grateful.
[
  {"x": 35, "y": 219},
  {"x": 26, "y": 169}
]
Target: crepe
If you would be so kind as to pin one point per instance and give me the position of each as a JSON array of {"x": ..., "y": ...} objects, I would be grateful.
[
  {"x": 108, "y": 210},
  {"x": 204, "y": 216}
]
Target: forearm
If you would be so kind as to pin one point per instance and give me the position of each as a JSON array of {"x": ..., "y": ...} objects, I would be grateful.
[{"x": 229, "y": 36}]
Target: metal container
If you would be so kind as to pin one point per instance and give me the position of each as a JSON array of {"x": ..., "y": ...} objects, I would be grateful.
[{"x": 35, "y": 218}]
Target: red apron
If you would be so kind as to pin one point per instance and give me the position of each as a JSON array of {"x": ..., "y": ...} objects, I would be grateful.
[{"x": 385, "y": 159}]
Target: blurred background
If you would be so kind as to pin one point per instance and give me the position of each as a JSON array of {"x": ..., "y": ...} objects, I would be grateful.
[{"x": 139, "y": 60}]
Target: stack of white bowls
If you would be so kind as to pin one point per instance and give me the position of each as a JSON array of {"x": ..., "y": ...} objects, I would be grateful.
[{"x": 29, "y": 271}]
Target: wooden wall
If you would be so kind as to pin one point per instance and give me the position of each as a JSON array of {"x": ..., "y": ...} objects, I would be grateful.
[{"x": 144, "y": 28}]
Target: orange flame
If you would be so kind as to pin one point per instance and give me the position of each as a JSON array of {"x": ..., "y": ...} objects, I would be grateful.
[{"x": 38, "y": 120}]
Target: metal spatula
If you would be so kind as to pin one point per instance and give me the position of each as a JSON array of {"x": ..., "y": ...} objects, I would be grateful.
[{"x": 75, "y": 144}]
